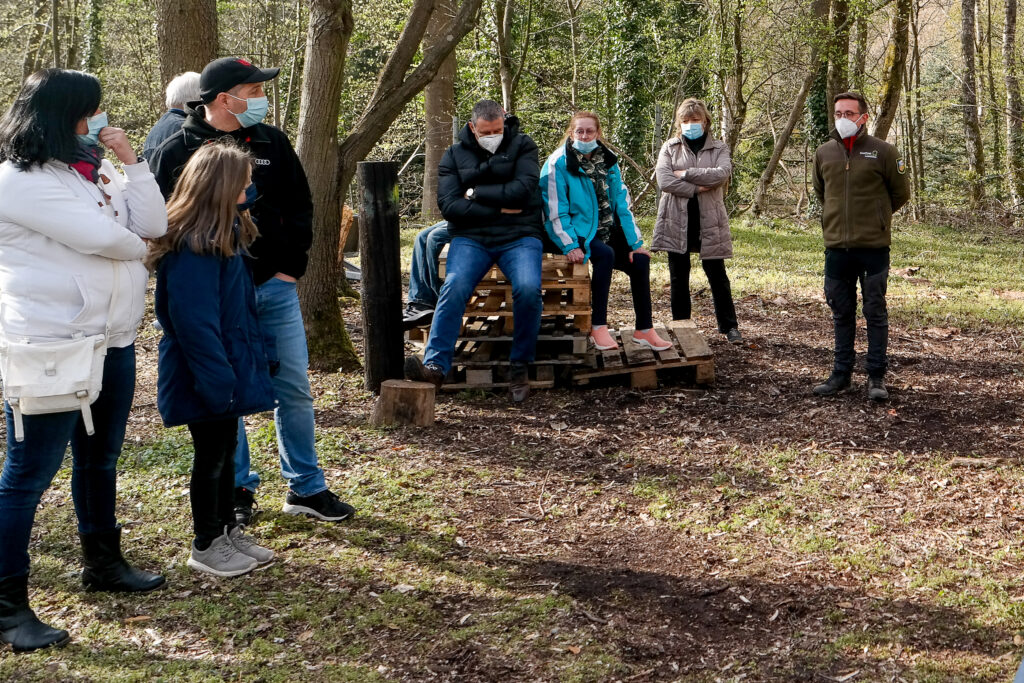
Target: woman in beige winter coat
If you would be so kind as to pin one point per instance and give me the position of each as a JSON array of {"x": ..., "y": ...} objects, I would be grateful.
[{"x": 693, "y": 171}]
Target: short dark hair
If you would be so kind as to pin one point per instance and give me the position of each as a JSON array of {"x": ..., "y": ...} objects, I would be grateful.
[
  {"x": 488, "y": 110},
  {"x": 40, "y": 125},
  {"x": 861, "y": 100}
]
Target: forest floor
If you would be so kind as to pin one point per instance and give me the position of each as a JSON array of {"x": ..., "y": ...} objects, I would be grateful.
[{"x": 748, "y": 531}]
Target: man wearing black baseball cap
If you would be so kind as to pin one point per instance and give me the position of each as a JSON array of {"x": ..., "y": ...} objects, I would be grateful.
[{"x": 233, "y": 105}]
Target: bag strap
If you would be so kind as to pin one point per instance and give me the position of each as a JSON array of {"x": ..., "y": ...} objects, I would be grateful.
[{"x": 113, "y": 301}]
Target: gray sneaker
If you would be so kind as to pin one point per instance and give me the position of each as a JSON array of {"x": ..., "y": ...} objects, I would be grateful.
[
  {"x": 222, "y": 558},
  {"x": 246, "y": 544},
  {"x": 877, "y": 390}
]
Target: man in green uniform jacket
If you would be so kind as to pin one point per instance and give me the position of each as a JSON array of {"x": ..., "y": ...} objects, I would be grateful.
[{"x": 861, "y": 182}]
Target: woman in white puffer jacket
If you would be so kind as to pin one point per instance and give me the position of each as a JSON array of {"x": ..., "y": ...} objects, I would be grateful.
[{"x": 71, "y": 249}]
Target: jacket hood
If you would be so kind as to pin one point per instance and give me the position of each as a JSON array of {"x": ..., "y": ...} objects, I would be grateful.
[
  {"x": 198, "y": 130},
  {"x": 467, "y": 138},
  {"x": 573, "y": 163}
]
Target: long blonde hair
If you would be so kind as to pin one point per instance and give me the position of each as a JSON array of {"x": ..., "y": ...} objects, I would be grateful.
[
  {"x": 691, "y": 108},
  {"x": 202, "y": 211}
]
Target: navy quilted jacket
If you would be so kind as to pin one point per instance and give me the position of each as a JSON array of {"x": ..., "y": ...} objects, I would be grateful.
[{"x": 214, "y": 358}]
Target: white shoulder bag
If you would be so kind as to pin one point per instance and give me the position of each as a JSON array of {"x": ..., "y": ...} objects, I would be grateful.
[{"x": 55, "y": 376}]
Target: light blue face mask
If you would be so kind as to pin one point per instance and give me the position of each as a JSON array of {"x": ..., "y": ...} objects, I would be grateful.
[
  {"x": 255, "y": 110},
  {"x": 584, "y": 147},
  {"x": 96, "y": 124},
  {"x": 692, "y": 131}
]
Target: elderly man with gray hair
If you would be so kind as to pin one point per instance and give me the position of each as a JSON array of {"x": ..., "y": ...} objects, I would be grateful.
[{"x": 182, "y": 89}]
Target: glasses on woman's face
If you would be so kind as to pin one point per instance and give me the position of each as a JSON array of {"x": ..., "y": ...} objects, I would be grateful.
[
  {"x": 584, "y": 132},
  {"x": 851, "y": 115}
]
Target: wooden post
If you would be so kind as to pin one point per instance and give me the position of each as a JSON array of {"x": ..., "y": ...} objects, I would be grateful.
[
  {"x": 380, "y": 262},
  {"x": 404, "y": 402}
]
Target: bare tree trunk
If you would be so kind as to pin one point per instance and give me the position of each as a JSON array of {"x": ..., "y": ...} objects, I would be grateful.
[
  {"x": 918, "y": 116},
  {"x": 1014, "y": 128},
  {"x": 972, "y": 127},
  {"x": 396, "y": 87},
  {"x": 735, "y": 112},
  {"x": 508, "y": 72},
  {"x": 55, "y": 31},
  {"x": 74, "y": 23},
  {"x": 573, "y": 8},
  {"x": 910, "y": 141},
  {"x": 839, "y": 52},
  {"x": 438, "y": 108},
  {"x": 186, "y": 36},
  {"x": 992, "y": 114},
  {"x": 895, "y": 64},
  {"x": 860, "y": 59},
  {"x": 327, "y": 37},
  {"x": 819, "y": 8},
  {"x": 35, "y": 39}
]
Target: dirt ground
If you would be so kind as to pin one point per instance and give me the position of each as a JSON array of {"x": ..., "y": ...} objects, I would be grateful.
[
  {"x": 675, "y": 601},
  {"x": 748, "y": 531}
]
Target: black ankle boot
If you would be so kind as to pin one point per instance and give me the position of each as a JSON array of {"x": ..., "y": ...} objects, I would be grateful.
[
  {"x": 19, "y": 625},
  {"x": 105, "y": 568}
]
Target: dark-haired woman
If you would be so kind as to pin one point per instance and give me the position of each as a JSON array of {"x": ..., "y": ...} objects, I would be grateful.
[{"x": 71, "y": 251}]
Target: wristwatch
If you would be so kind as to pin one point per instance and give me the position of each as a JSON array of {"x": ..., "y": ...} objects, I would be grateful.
[{"x": 470, "y": 193}]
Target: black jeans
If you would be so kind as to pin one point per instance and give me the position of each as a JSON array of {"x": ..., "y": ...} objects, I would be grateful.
[
  {"x": 606, "y": 258},
  {"x": 213, "y": 478},
  {"x": 843, "y": 269},
  {"x": 721, "y": 289}
]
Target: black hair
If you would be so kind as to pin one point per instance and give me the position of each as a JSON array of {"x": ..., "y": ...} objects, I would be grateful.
[
  {"x": 862, "y": 103},
  {"x": 40, "y": 125},
  {"x": 488, "y": 110}
]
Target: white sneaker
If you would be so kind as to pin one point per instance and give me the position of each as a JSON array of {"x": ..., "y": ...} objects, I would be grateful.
[{"x": 222, "y": 558}]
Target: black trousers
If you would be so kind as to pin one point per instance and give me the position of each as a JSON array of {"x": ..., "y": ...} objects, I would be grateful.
[
  {"x": 213, "y": 478},
  {"x": 843, "y": 269},
  {"x": 721, "y": 289},
  {"x": 615, "y": 256}
]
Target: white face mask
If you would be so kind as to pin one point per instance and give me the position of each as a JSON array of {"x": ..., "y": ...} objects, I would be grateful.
[
  {"x": 491, "y": 142},
  {"x": 846, "y": 128}
]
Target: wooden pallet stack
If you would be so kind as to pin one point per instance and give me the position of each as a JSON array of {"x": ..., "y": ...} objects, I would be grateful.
[
  {"x": 643, "y": 365},
  {"x": 482, "y": 350}
]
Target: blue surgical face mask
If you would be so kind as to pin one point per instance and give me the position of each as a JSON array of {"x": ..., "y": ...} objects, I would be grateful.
[
  {"x": 255, "y": 110},
  {"x": 585, "y": 147},
  {"x": 96, "y": 124},
  {"x": 692, "y": 131},
  {"x": 251, "y": 195}
]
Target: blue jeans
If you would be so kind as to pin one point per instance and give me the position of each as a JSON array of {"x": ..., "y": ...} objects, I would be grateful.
[
  {"x": 468, "y": 262},
  {"x": 277, "y": 305},
  {"x": 31, "y": 464},
  {"x": 424, "y": 276}
]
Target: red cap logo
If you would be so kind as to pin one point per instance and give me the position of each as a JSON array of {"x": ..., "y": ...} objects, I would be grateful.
[{"x": 242, "y": 61}]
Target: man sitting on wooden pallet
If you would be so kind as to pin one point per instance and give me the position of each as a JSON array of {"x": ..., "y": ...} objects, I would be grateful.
[{"x": 488, "y": 192}]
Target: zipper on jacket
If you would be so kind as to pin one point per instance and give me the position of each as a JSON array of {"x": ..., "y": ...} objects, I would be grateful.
[{"x": 846, "y": 199}]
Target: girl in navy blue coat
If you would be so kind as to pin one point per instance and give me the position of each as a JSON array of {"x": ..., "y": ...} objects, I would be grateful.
[{"x": 214, "y": 362}]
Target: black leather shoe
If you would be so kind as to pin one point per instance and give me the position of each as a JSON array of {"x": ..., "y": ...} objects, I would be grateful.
[
  {"x": 19, "y": 625},
  {"x": 833, "y": 385},
  {"x": 417, "y": 371},
  {"x": 877, "y": 390},
  {"x": 518, "y": 382},
  {"x": 106, "y": 569}
]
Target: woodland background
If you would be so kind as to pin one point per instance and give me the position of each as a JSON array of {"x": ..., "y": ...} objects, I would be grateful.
[{"x": 384, "y": 80}]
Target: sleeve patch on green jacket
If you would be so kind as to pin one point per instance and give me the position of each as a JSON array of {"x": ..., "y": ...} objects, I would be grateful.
[{"x": 901, "y": 166}]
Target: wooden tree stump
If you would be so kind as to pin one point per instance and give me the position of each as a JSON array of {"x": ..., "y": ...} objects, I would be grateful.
[{"x": 404, "y": 402}]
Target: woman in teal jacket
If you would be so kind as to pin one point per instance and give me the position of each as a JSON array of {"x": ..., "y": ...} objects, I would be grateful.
[{"x": 587, "y": 215}]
